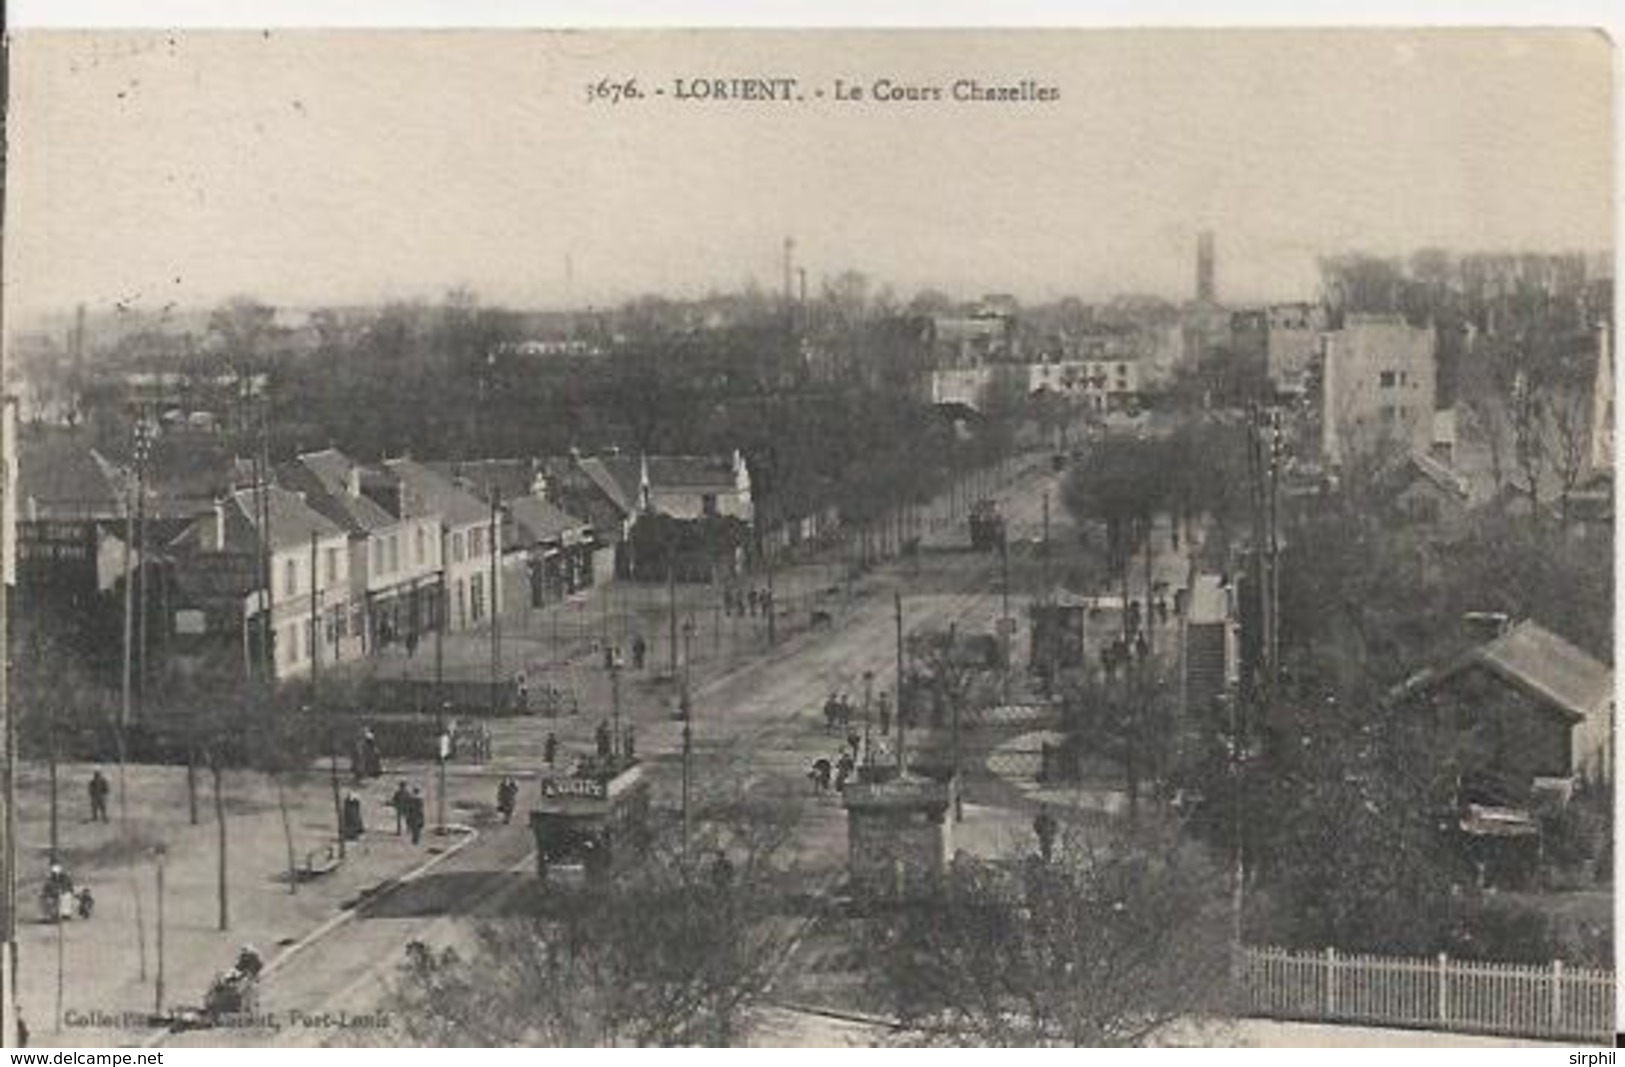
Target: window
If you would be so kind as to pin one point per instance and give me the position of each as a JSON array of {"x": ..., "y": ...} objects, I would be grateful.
[
  {"x": 459, "y": 598},
  {"x": 332, "y": 566},
  {"x": 290, "y": 578},
  {"x": 476, "y": 589},
  {"x": 394, "y": 554},
  {"x": 457, "y": 549},
  {"x": 1386, "y": 379},
  {"x": 422, "y": 546},
  {"x": 708, "y": 504}
]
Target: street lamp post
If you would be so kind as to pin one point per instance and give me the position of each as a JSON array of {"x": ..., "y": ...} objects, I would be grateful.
[
  {"x": 160, "y": 853},
  {"x": 868, "y": 697},
  {"x": 442, "y": 754}
]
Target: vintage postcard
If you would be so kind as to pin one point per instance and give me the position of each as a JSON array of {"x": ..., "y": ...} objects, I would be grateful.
[{"x": 818, "y": 537}]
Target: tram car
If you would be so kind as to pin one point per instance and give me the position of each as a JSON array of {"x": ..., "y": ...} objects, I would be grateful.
[
  {"x": 591, "y": 822},
  {"x": 986, "y": 527}
]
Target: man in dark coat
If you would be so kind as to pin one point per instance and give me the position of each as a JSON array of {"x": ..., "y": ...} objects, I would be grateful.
[
  {"x": 98, "y": 796},
  {"x": 414, "y": 815},
  {"x": 507, "y": 797},
  {"x": 400, "y": 800}
]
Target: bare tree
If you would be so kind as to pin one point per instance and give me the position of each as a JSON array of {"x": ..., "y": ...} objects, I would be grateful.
[
  {"x": 1109, "y": 943},
  {"x": 672, "y": 952}
]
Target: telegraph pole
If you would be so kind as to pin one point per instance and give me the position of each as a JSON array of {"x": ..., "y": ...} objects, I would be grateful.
[
  {"x": 902, "y": 714},
  {"x": 671, "y": 611},
  {"x": 495, "y": 549},
  {"x": 143, "y": 447},
  {"x": 442, "y": 616},
  {"x": 315, "y": 621}
]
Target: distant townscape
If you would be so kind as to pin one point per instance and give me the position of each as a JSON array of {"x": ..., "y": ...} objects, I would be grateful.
[{"x": 821, "y": 665}]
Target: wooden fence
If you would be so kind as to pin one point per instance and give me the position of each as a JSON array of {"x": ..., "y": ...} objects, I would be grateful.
[{"x": 1552, "y": 1001}]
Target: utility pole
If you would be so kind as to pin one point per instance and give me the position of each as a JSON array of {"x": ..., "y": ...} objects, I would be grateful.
[
  {"x": 671, "y": 612},
  {"x": 160, "y": 854},
  {"x": 143, "y": 449},
  {"x": 315, "y": 621},
  {"x": 126, "y": 690},
  {"x": 442, "y": 615},
  {"x": 687, "y": 706},
  {"x": 615, "y": 704},
  {"x": 1005, "y": 634},
  {"x": 772, "y": 608},
  {"x": 494, "y": 547},
  {"x": 902, "y": 713}
]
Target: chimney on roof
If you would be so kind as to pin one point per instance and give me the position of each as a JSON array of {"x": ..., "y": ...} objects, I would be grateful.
[{"x": 1482, "y": 626}]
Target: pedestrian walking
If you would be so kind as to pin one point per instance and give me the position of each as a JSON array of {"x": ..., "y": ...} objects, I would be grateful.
[
  {"x": 603, "y": 739},
  {"x": 843, "y": 770},
  {"x": 1142, "y": 648},
  {"x": 400, "y": 800},
  {"x": 819, "y": 774},
  {"x": 883, "y": 713},
  {"x": 415, "y": 815},
  {"x": 353, "y": 827},
  {"x": 752, "y": 599},
  {"x": 1045, "y": 827},
  {"x": 640, "y": 650},
  {"x": 98, "y": 789},
  {"x": 854, "y": 742},
  {"x": 550, "y": 750},
  {"x": 507, "y": 797},
  {"x": 628, "y": 746}
]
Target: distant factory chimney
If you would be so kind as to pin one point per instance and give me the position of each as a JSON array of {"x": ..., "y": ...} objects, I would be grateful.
[
  {"x": 1205, "y": 289},
  {"x": 789, "y": 271}
]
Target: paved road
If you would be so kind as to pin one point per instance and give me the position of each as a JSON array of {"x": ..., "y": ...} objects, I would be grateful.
[{"x": 765, "y": 716}]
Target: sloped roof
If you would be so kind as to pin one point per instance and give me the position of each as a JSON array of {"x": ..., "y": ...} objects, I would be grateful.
[
  {"x": 1439, "y": 475},
  {"x": 63, "y": 474},
  {"x": 436, "y": 493},
  {"x": 1533, "y": 658},
  {"x": 691, "y": 471},
  {"x": 291, "y": 520},
  {"x": 620, "y": 478},
  {"x": 511, "y": 477},
  {"x": 537, "y": 519},
  {"x": 324, "y": 479}
]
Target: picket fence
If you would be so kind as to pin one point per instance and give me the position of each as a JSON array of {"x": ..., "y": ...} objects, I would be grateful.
[{"x": 1553, "y": 1001}]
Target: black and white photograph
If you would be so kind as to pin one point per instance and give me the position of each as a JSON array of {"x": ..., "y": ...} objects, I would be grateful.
[{"x": 819, "y": 537}]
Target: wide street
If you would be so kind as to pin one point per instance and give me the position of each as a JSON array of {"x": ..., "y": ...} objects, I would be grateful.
[{"x": 756, "y": 720}]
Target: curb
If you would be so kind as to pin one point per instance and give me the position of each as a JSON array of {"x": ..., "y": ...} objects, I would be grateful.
[{"x": 348, "y": 911}]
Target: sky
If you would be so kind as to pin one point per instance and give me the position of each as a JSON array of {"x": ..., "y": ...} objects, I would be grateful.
[{"x": 311, "y": 167}]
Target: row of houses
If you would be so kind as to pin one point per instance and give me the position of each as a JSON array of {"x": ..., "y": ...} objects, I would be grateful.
[{"x": 240, "y": 568}]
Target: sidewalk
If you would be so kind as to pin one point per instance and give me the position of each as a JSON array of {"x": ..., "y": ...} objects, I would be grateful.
[{"x": 105, "y": 999}]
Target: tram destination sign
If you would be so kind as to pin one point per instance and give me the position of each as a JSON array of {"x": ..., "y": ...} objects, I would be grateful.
[{"x": 588, "y": 788}]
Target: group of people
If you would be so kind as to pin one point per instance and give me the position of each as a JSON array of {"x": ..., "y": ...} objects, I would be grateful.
[
  {"x": 839, "y": 712},
  {"x": 614, "y": 657},
  {"x": 409, "y": 810},
  {"x": 829, "y": 775},
  {"x": 738, "y": 603}
]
